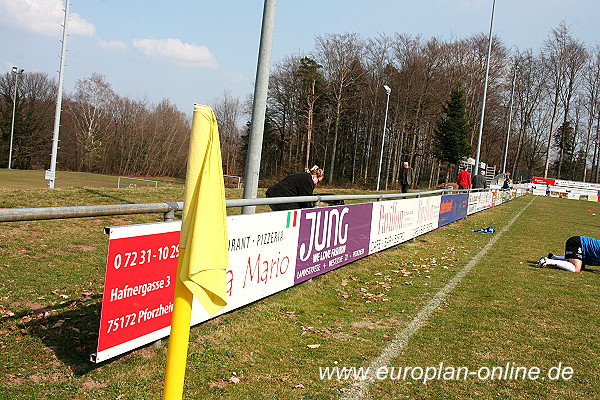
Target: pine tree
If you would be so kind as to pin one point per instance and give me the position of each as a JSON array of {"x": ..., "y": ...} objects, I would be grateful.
[{"x": 452, "y": 134}]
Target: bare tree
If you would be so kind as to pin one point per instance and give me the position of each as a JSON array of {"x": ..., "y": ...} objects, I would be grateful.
[
  {"x": 575, "y": 63},
  {"x": 591, "y": 88},
  {"x": 555, "y": 56},
  {"x": 228, "y": 111},
  {"x": 284, "y": 142},
  {"x": 92, "y": 108},
  {"x": 379, "y": 62},
  {"x": 312, "y": 86},
  {"x": 530, "y": 87},
  {"x": 33, "y": 118},
  {"x": 337, "y": 54}
]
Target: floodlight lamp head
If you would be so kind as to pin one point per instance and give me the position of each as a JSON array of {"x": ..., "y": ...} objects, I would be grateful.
[
  {"x": 14, "y": 70},
  {"x": 388, "y": 89}
]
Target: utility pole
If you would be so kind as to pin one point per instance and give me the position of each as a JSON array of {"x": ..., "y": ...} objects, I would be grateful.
[
  {"x": 259, "y": 106},
  {"x": 485, "y": 86},
  {"x": 51, "y": 173},
  {"x": 388, "y": 90},
  {"x": 510, "y": 108},
  {"x": 16, "y": 72}
]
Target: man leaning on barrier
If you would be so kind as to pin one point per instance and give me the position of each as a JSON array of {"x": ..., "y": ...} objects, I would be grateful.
[{"x": 298, "y": 184}]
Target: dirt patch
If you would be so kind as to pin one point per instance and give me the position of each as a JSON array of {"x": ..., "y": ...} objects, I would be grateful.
[
  {"x": 35, "y": 307},
  {"x": 147, "y": 353},
  {"x": 220, "y": 384},
  {"x": 84, "y": 247},
  {"x": 385, "y": 324},
  {"x": 89, "y": 384},
  {"x": 366, "y": 324},
  {"x": 205, "y": 338},
  {"x": 14, "y": 380}
]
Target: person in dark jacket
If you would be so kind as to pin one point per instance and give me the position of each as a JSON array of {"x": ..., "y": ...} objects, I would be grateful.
[
  {"x": 406, "y": 177},
  {"x": 479, "y": 181},
  {"x": 298, "y": 184}
]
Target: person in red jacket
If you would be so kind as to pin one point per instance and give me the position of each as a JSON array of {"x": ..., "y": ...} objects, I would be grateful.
[{"x": 464, "y": 178}]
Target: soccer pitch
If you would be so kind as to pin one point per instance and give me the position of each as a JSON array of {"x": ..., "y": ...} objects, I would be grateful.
[{"x": 503, "y": 329}]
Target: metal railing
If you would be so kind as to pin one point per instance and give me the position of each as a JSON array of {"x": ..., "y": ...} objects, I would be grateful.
[
  {"x": 169, "y": 208},
  {"x": 39, "y": 213}
]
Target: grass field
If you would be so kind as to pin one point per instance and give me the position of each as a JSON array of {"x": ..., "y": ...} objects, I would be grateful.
[
  {"x": 503, "y": 311},
  {"x": 34, "y": 179}
]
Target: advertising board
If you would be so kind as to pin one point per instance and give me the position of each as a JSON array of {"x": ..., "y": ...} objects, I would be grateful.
[{"x": 268, "y": 253}]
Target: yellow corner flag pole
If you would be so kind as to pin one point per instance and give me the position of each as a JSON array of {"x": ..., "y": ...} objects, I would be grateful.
[{"x": 202, "y": 263}]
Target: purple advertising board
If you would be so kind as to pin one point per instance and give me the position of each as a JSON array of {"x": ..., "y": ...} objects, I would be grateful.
[
  {"x": 331, "y": 237},
  {"x": 453, "y": 207}
]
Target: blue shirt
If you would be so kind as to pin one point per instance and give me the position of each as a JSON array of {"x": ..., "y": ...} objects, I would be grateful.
[{"x": 591, "y": 250}]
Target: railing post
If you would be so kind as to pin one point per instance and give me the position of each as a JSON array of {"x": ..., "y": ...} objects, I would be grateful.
[{"x": 169, "y": 216}]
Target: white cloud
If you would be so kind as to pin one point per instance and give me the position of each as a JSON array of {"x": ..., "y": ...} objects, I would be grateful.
[
  {"x": 176, "y": 51},
  {"x": 44, "y": 17},
  {"x": 112, "y": 45}
]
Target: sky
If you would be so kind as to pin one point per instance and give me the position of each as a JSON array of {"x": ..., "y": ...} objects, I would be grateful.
[{"x": 194, "y": 51}]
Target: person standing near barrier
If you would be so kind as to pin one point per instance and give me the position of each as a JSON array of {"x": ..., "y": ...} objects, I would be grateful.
[
  {"x": 579, "y": 252},
  {"x": 463, "y": 180},
  {"x": 479, "y": 181},
  {"x": 406, "y": 177},
  {"x": 298, "y": 184}
]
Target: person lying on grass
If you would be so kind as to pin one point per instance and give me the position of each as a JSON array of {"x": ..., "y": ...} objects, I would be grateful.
[{"x": 579, "y": 252}]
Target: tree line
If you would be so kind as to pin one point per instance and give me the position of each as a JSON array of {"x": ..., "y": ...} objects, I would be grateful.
[
  {"x": 328, "y": 107},
  {"x": 100, "y": 131}
]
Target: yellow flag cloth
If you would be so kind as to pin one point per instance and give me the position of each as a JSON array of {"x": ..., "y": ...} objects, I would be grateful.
[{"x": 203, "y": 254}]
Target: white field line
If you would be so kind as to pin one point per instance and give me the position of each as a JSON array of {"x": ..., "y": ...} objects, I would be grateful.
[{"x": 360, "y": 387}]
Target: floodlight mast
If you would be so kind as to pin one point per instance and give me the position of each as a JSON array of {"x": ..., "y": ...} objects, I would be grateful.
[
  {"x": 16, "y": 72},
  {"x": 259, "y": 105},
  {"x": 51, "y": 173},
  {"x": 510, "y": 109},
  {"x": 485, "y": 87},
  {"x": 388, "y": 90}
]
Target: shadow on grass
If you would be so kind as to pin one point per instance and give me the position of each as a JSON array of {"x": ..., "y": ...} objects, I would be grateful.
[
  {"x": 69, "y": 329},
  {"x": 100, "y": 194}
]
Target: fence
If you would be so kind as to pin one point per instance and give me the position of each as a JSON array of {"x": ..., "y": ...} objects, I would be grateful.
[
  {"x": 169, "y": 208},
  {"x": 421, "y": 210}
]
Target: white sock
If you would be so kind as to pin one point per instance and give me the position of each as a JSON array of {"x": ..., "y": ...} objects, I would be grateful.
[
  {"x": 562, "y": 264},
  {"x": 555, "y": 257}
]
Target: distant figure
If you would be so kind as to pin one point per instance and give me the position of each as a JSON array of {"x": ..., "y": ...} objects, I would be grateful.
[
  {"x": 298, "y": 184},
  {"x": 507, "y": 184},
  {"x": 479, "y": 181},
  {"x": 579, "y": 252},
  {"x": 464, "y": 178},
  {"x": 406, "y": 176}
]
